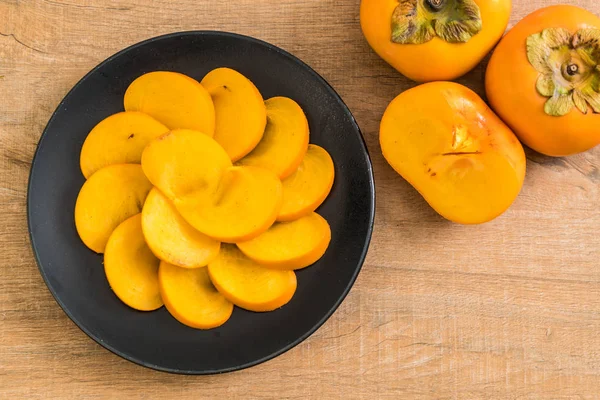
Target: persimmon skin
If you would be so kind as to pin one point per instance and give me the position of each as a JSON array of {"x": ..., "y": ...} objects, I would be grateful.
[
  {"x": 436, "y": 60},
  {"x": 444, "y": 140},
  {"x": 510, "y": 84}
]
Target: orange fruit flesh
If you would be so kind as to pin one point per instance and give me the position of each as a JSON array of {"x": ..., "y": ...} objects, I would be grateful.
[
  {"x": 118, "y": 139},
  {"x": 174, "y": 99},
  {"x": 308, "y": 186},
  {"x": 191, "y": 298},
  {"x": 111, "y": 195},
  {"x": 285, "y": 139},
  {"x": 243, "y": 205},
  {"x": 447, "y": 144},
  {"x": 131, "y": 268},
  {"x": 249, "y": 285},
  {"x": 239, "y": 111},
  {"x": 171, "y": 238},
  {"x": 183, "y": 161},
  {"x": 290, "y": 245}
]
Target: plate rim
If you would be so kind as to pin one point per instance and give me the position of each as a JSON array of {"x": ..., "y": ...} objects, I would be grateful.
[{"x": 283, "y": 349}]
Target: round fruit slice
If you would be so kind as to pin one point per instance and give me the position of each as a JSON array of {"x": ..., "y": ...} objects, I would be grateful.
[
  {"x": 108, "y": 198},
  {"x": 285, "y": 140},
  {"x": 184, "y": 161},
  {"x": 191, "y": 298},
  {"x": 239, "y": 111},
  {"x": 308, "y": 187},
  {"x": 174, "y": 99},
  {"x": 131, "y": 268},
  {"x": 171, "y": 238},
  {"x": 249, "y": 285},
  {"x": 290, "y": 245},
  {"x": 118, "y": 139},
  {"x": 244, "y": 205}
]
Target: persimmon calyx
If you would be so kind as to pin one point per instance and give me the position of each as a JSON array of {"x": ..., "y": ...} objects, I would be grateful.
[
  {"x": 569, "y": 67},
  {"x": 419, "y": 21}
]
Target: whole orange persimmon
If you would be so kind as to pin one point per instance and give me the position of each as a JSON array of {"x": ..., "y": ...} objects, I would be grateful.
[
  {"x": 543, "y": 80},
  {"x": 450, "y": 146},
  {"x": 433, "y": 40}
]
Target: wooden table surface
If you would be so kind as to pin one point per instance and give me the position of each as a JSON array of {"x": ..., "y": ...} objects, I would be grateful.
[{"x": 509, "y": 309}]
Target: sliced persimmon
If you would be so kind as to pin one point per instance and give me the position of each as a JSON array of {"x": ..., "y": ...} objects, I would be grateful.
[
  {"x": 183, "y": 161},
  {"x": 131, "y": 268},
  {"x": 118, "y": 139},
  {"x": 290, "y": 245},
  {"x": 308, "y": 186},
  {"x": 191, "y": 298},
  {"x": 171, "y": 238},
  {"x": 109, "y": 197},
  {"x": 240, "y": 114},
  {"x": 244, "y": 205},
  {"x": 249, "y": 285},
  {"x": 285, "y": 140},
  {"x": 174, "y": 99}
]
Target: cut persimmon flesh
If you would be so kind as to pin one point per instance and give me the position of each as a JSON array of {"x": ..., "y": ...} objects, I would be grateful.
[
  {"x": 184, "y": 161},
  {"x": 249, "y": 285},
  {"x": 174, "y": 99},
  {"x": 109, "y": 197},
  {"x": 240, "y": 114},
  {"x": 171, "y": 238},
  {"x": 308, "y": 186},
  {"x": 118, "y": 139},
  {"x": 191, "y": 298},
  {"x": 131, "y": 268},
  {"x": 290, "y": 245},
  {"x": 285, "y": 140},
  {"x": 244, "y": 205}
]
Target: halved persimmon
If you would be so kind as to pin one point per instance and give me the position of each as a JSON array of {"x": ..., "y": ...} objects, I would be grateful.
[
  {"x": 308, "y": 186},
  {"x": 191, "y": 298},
  {"x": 285, "y": 140},
  {"x": 184, "y": 161},
  {"x": 239, "y": 111},
  {"x": 171, "y": 238},
  {"x": 290, "y": 245},
  {"x": 131, "y": 268},
  {"x": 109, "y": 197},
  {"x": 174, "y": 99},
  {"x": 244, "y": 205},
  {"x": 118, "y": 139},
  {"x": 249, "y": 285}
]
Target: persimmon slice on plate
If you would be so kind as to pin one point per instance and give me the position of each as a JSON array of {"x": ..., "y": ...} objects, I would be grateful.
[
  {"x": 118, "y": 139},
  {"x": 308, "y": 186},
  {"x": 171, "y": 238},
  {"x": 240, "y": 114},
  {"x": 290, "y": 245},
  {"x": 244, "y": 204},
  {"x": 174, "y": 99},
  {"x": 285, "y": 140},
  {"x": 109, "y": 197},
  {"x": 183, "y": 161},
  {"x": 191, "y": 298},
  {"x": 249, "y": 285},
  {"x": 131, "y": 268}
]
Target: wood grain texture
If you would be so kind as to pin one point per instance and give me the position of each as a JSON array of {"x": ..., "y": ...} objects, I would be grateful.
[{"x": 506, "y": 310}]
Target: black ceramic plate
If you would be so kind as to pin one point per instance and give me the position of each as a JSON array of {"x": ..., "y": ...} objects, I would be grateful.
[{"x": 75, "y": 275}]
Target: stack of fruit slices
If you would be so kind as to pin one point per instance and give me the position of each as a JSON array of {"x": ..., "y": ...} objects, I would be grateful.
[{"x": 202, "y": 196}]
